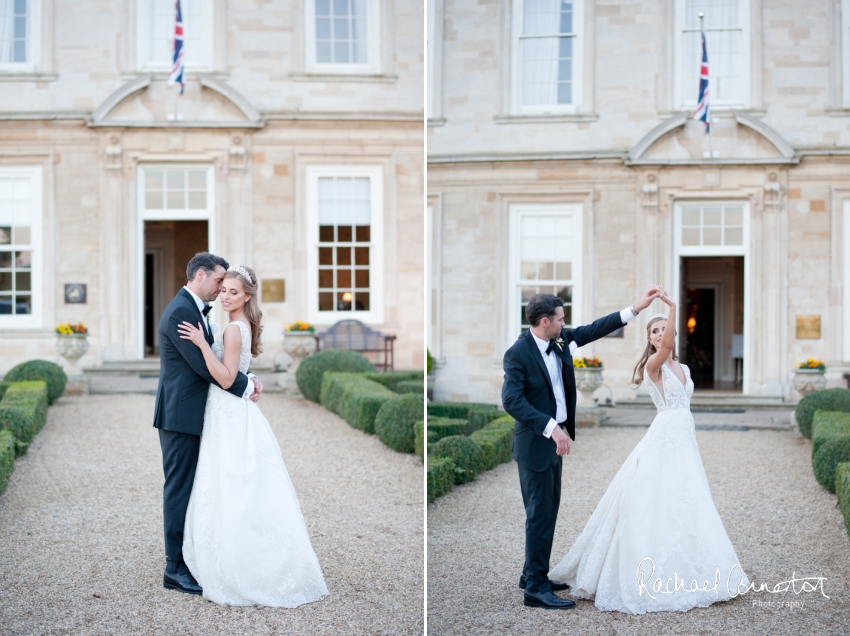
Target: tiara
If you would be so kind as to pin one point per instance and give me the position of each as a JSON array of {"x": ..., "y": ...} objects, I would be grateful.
[
  {"x": 242, "y": 272},
  {"x": 664, "y": 316}
]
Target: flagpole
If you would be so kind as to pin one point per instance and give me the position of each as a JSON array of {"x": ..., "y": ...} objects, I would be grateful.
[{"x": 702, "y": 31}]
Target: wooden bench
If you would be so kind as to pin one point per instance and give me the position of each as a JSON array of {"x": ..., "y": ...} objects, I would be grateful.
[{"x": 353, "y": 335}]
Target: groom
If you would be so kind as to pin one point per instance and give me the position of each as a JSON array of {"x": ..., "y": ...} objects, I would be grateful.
[
  {"x": 540, "y": 393},
  {"x": 181, "y": 399}
]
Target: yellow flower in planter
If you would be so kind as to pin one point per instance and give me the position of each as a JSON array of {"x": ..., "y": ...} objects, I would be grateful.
[{"x": 300, "y": 326}]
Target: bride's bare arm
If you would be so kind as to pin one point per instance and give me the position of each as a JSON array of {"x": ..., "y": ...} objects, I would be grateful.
[
  {"x": 223, "y": 371},
  {"x": 668, "y": 341}
]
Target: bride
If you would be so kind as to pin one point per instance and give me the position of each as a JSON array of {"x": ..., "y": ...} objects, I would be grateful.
[
  {"x": 245, "y": 540},
  {"x": 655, "y": 541}
]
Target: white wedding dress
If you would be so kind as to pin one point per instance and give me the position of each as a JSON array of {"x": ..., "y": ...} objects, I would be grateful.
[
  {"x": 657, "y": 507},
  {"x": 245, "y": 540}
]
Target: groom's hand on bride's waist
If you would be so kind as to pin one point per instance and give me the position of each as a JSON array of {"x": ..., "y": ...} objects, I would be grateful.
[
  {"x": 562, "y": 441},
  {"x": 258, "y": 388}
]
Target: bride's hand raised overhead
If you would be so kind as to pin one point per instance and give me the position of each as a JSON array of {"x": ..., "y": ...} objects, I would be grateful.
[
  {"x": 667, "y": 299},
  {"x": 189, "y": 332}
]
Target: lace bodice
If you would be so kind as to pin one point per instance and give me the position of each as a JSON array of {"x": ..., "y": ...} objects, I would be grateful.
[
  {"x": 676, "y": 395},
  {"x": 245, "y": 357}
]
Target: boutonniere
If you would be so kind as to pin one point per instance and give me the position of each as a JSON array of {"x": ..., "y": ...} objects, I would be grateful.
[{"x": 560, "y": 343}]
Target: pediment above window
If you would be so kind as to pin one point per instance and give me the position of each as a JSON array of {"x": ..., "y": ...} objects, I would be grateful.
[
  {"x": 146, "y": 102},
  {"x": 739, "y": 139}
]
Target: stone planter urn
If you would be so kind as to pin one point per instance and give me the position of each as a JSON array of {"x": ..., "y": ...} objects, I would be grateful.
[
  {"x": 587, "y": 381},
  {"x": 298, "y": 345},
  {"x": 72, "y": 347},
  {"x": 808, "y": 381}
]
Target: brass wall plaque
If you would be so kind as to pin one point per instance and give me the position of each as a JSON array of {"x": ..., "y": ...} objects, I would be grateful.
[
  {"x": 273, "y": 290},
  {"x": 808, "y": 327}
]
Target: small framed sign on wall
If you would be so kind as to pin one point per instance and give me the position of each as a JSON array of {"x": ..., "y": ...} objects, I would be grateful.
[{"x": 75, "y": 293}]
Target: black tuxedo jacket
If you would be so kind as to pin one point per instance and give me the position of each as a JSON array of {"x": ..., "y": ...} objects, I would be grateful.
[
  {"x": 528, "y": 396},
  {"x": 184, "y": 380}
]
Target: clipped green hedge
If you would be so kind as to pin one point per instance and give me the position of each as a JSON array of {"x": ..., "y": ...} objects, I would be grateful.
[
  {"x": 441, "y": 476},
  {"x": 42, "y": 370},
  {"x": 827, "y": 400},
  {"x": 421, "y": 439},
  {"x": 391, "y": 379},
  {"x": 502, "y": 423},
  {"x": 467, "y": 456},
  {"x": 830, "y": 445},
  {"x": 23, "y": 412},
  {"x": 456, "y": 410},
  {"x": 354, "y": 398},
  {"x": 396, "y": 420},
  {"x": 496, "y": 447},
  {"x": 842, "y": 489},
  {"x": 3, "y": 386},
  {"x": 411, "y": 386},
  {"x": 7, "y": 458},
  {"x": 479, "y": 417},
  {"x": 444, "y": 427},
  {"x": 309, "y": 374}
]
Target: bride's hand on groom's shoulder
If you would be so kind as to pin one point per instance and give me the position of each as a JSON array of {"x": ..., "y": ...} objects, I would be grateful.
[{"x": 189, "y": 332}]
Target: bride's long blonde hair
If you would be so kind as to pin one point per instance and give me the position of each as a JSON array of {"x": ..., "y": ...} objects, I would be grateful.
[
  {"x": 637, "y": 374},
  {"x": 252, "y": 307}
]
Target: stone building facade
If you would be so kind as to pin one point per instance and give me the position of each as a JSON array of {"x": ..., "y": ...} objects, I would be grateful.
[
  {"x": 297, "y": 149},
  {"x": 563, "y": 157}
]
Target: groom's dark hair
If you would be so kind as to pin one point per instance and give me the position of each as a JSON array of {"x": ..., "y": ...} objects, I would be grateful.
[
  {"x": 541, "y": 306},
  {"x": 205, "y": 261}
]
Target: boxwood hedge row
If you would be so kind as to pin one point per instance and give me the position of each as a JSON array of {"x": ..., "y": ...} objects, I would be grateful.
[
  {"x": 391, "y": 379},
  {"x": 830, "y": 445},
  {"x": 444, "y": 427},
  {"x": 828, "y": 400},
  {"x": 309, "y": 374},
  {"x": 35, "y": 370},
  {"x": 396, "y": 420},
  {"x": 842, "y": 489},
  {"x": 441, "y": 476},
  {"x": 354, "y": 398},
  {"x": 7, "y": 458},
  {"x": 23, "y": 412}
]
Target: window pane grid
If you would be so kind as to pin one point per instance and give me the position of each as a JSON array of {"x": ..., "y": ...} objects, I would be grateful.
[
  {"x": 713, "y": 225},
  {"x": 341, "y": 32},
  {"x": 176, "y": 189},
  {"x": 344, "y": 248},
  {"x": 546, "y": 52},
  {"x": 15, "y": 246},
  {"x": 14, "y": 18},
  {"x": 545, "y": 267},
  {"x": 723, "y": 41},
  {"x": 161, "y": 32}
]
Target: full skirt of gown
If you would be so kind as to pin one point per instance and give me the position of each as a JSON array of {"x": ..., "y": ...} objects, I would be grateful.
[{"x": 656, "y": 524}]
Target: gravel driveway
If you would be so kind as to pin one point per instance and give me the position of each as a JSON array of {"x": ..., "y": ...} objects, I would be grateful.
[
  {"x": 780, "y": 521},
  {"x": 81, "y": 526}
]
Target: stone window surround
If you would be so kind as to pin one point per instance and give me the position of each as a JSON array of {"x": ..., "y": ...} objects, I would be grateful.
[
  {"x": 34, "y": 320},
  {"x": 434, "y": 210},
  {"x": 40, "y": 48},
  {"x": 516, "y": 209},
  {"x": 580, "y": 54},
  {"x": 375, "y": 172},
  {"x": 379, "y": 47},
  {"x": 680, "y": 96}
]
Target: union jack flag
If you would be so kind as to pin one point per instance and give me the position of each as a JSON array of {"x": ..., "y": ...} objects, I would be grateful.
[
  {"x": 178, "y": 75},
  {"x": 702, "y": 112}
]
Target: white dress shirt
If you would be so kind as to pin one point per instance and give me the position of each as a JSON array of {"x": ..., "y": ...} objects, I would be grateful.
[
  {"x": 553, "y": 365},
  {"x": 249, "y": 390}
]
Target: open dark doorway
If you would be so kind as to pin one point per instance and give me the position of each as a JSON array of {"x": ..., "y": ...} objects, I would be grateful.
[
  {"x": 169, "y": 246},
  {"x": 711, "y": 323}
]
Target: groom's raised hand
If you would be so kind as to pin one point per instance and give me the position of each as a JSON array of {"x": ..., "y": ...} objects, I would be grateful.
[{"x": 648, "y": 296}]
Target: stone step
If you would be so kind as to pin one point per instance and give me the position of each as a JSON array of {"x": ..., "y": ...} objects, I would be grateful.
[
  {"x": 717, "y": 400},
  {"x": 145, "y": 367}
]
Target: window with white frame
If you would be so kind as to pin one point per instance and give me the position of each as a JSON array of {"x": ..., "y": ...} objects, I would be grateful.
[
  {"x": 546, "y": 55},
  {"x": 727, "y": 45},
  {"x": 19, "y": 34},
  {"x": 20, "y": 246},
  {"x": 175, "y": 188},
  {"x": 343, "y": 36},
  {"x": 155, "y": 34},
  {"x": 545, "y": 258},
  {"x": 345, "y": 255}
]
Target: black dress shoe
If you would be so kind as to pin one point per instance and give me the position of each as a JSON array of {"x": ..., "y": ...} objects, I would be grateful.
[
  {"x": 181, "y": 582},
  {"x": 557, "y": 586},
  {"x": 547, "y": 600}
]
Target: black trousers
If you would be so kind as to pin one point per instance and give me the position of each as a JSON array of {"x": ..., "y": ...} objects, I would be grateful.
[
  {"x": 179, "y": 461},
  {"x": 541, "y": 496}
]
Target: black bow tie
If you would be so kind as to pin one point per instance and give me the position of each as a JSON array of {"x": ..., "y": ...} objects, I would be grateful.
[
  {"x": 207, "y": 309},
  {"x": 551, "y": 347}
]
